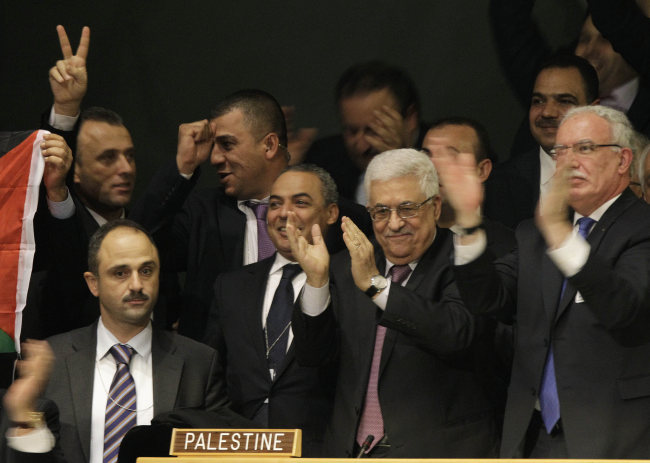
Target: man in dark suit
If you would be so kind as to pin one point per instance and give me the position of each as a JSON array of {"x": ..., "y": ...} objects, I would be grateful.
[
  {"x": 208, "y": 231},
  {"x": 581, "y": 298},
  {"x": 29, "y": 427},
  {"x": 379, "y": 109},
  {"x": 286, "y": 395},
  {"x": 167, "y": 371},
  {"x": 454, "y": 135},
  {"x": 522, "y": 48},
  {"x": 404, "y": 346},
  {"x": 463, "y": 135},
  {"x": 83, "y": 193},
  {"x": 563, "y": 82}
]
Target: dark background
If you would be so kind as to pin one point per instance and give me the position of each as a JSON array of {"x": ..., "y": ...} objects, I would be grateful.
[{"x": 162, "y": 63}]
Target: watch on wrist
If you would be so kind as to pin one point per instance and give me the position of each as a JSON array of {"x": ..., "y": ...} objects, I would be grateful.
[
  {"x": 32, "y": 420},
  {"x": 377, "y": 284}
]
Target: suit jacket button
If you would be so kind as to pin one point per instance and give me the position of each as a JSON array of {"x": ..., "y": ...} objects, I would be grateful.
[
  {"x": 533, "y": 391},
  {"x": 545, "y": 342}
]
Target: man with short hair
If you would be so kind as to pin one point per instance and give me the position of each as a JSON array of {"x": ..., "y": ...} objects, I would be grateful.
[
  {"x": 577, "y": 287},
  {"x": 396, "y": 326},
  {"x": 206, "y": 232},
  {"x": 379, "y": 109},
  {"x": 522, "y": 48},
  {"x": 251, "y": 329},
  {"x": 562, "y": 83},
  {"x": 456, "y": 135},
  {"x": 160, "y": 370},
  {"x": 97, "y": 188}
]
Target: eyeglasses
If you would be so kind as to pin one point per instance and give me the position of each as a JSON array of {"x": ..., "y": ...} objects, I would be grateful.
[
  {"x": 584, "y": 148},
  {"x": 404, "y": 210}
]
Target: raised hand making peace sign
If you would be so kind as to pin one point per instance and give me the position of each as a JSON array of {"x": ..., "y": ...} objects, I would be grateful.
[{"x": 68, "y": 77}]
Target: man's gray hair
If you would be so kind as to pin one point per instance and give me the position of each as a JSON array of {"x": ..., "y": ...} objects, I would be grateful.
[
  {"x": 621, "y": 129},
  {"x": 328, "y": 186},
  {"x": 641, "y": 167},
  {"x": 403, "y": 162}
]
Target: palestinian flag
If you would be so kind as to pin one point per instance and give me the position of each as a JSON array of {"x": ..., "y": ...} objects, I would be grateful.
[{"x": 21, "y": 171}]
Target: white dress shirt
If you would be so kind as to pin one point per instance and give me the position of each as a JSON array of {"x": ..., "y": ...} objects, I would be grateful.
[
  {"x": 569, "y": 257},
  {"x": 250, "y": 232},
  {"x": 105, "y": 367}
]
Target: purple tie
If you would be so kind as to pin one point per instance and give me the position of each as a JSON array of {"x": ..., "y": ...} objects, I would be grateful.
[
  {"x": 265, "y": 246},
  {"x": 549, "y": 401},
  {"x": 121, "y": 404},
  {"x": 372, "y": 422}
]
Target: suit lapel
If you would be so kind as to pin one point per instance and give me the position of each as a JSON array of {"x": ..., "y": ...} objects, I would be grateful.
[
  {"x": 552, "y": 280},
  {"x": 232, "y": 229},
  {"x": 81, "y": 385},
  {"x": 252, "y": 305},
  {"x": 167, "y": 371},
  {"x": 417, "y": 277},
  {"x": 595, "y": 237}
]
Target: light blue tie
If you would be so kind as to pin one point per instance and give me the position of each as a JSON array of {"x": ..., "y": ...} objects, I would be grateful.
[{"x": 549, "y": 401}]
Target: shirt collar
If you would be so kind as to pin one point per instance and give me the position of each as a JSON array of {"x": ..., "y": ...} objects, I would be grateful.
[
  {"x": 598, "y": 213},
  {"x": 101, "y": 220},
  {"x": 279, "y": 262},
  {"x": 141, "y": 342},
  {"x": 547, "y": 167}
]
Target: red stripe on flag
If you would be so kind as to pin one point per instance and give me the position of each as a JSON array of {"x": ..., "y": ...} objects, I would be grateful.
[{"x": 16, "y": 194}]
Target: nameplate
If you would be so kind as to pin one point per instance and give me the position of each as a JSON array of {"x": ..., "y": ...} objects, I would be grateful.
[{"x": 244, "y": 442}]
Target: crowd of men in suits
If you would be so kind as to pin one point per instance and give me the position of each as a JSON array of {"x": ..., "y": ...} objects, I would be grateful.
[{"x": 392, "y": 291}]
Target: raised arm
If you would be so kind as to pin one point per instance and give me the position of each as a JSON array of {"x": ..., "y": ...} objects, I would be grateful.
[{"x": 68, "y": 77}]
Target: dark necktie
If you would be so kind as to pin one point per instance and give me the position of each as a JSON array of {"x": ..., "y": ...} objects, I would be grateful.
[
  {"x": 549, "y": 401},
  {"x": 372, "y": 422},
  {"x": 121, "y": 403},
  {"x": 278, "y": 319},
  {"x": 265, "y": 247}
]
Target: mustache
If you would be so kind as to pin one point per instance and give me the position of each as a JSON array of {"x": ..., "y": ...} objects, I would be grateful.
[
  {"x": 573, "y": 173},
  {"x": 139, "y": 296},
  {"x": 547, "y": 124}
]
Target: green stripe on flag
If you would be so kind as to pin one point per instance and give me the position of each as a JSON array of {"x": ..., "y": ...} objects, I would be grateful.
[{"x": 6, "y": 343}]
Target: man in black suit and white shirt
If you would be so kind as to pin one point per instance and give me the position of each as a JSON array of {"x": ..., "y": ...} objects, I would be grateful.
[
  {"x": 404, "y": 346},
  {"x": 578, "y": 288},
  {"x": 205, "y": 232},
  {"x": 282, "y": 395},
  {"x": 563, "y": 82}
]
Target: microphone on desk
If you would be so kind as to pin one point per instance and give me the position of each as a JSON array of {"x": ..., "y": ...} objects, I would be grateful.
[{"x": 366, "y": 444}]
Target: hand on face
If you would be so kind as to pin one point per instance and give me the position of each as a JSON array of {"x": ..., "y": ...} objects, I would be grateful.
[
  {"x": 362, "y": 254},
  {"x": 58, "y": 159},
  {"x": 68, "y": 77},
  {"x": 389, "y": 130}
]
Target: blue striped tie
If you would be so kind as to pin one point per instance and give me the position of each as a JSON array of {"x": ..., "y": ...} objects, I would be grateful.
[
  {"x": 549, "y": 400},
  {"x": 121, "y": 404}
]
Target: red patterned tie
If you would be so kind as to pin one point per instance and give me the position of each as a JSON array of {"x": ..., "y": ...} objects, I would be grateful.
[
  {"x": 372, "y": 422},
  {"x": 121, "y": 404}
]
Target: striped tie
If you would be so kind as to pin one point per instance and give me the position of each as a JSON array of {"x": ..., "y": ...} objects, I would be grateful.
[{"x": 121, "y": 404}]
